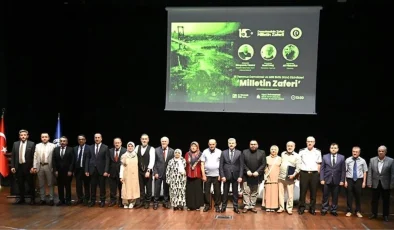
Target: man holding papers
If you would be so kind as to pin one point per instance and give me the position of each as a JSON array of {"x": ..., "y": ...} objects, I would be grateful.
[{"x": 289, "y": 168}]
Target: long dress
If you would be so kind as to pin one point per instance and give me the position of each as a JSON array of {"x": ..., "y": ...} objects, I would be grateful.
[
  {"x": 194, "y": 184},
  {"x": 271, "y": 185},
  {"x": 176, "y": 179},
  {"x": 129, "y": 173}
]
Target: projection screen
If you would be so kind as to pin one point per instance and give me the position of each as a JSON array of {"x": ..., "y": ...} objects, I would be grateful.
[{"x": 242, "y": 59}]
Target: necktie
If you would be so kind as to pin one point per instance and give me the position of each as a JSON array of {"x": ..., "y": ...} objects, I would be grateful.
[
  {"x": 355, "y": 170},
  {"x": 79, "y": 162},
  {"x": 333, "y": 160},
  {"x": 62, "y": 153},
  {"x": 231, "y": 155},
  {"x": 21, "y": 153},
  {"x": 116, "y": 155},
  {"x": 97, "y": 149},
  {"x": 43, "y": 154},
  {"x": 164, "y": 154}
]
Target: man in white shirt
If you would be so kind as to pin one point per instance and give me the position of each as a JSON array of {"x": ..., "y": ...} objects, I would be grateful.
[
  {"x": 309, "y": 176},
  {"x": 146, "y": 161},
  {"x": 210, "y": 164},
  {"x": 43, "y": 167}
]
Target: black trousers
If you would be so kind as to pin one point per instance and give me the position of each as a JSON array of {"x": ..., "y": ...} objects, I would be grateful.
[
  {"x": 308, "y": 181},
  {"x": 166, "y": 190},
  {"x": 333, "y": 190},
  {"x": 145, "y": 183},
  {"x": 64, "y": 185},
  {"x": 115, "y": 186},
  {"x": 97, "y": 179},
  {"x": 216, "y": 190},
  {"x": 354, "y": 189},
  {"x": 376, "y": 193},
  {"x": 24, "y": 176},
  {"x": 82, "y": 184},
  {"x": 226, "y": 188}
]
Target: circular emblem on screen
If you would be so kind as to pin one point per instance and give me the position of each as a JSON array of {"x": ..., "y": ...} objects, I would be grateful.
[
  {"x": 245, "y": 52},
  {"x": 290, "y": 52},
  {"x": 268, "y": 52},
  {"x": 296, "y": 33}
]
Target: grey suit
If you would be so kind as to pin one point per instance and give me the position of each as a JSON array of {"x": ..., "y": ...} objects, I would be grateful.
[
  {"x": 231, "y": 169},
  {"x": 381, "y": 183},
  {"x": 160, "y": 169}
]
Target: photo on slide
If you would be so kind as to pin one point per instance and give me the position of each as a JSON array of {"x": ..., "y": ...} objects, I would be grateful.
[{"x": 202, "y": 61}]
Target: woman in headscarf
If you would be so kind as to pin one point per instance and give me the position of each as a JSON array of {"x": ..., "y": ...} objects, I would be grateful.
[
  {"x": 272, "y": 176},
  {"x": 194, "y": 188},
  {"x": 176, "y": 179},
  {"x": 129, "y": 177}
]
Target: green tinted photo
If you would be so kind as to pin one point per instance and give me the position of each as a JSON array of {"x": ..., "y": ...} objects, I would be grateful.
[
  {"x": 268, "y": 52},
  {"x": 290, "y": 52},
  {"x": 202, "y": 61}
]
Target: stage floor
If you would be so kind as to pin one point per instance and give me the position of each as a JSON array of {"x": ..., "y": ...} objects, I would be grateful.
[{"x": 81, "y": 217}]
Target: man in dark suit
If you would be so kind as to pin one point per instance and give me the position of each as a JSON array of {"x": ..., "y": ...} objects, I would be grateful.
[
  {"x": 22, "y": 159},
  {"x": 97, "y": 167},
  {"x": 82, "y": 181},
  {"x": 231, "y": 172},
  {"x": 63, "y": 166},
  {"x": 381, "y": 179},
  {"x": 332, "y": 176},
  {"x": 163, "y": 154},
  {"x": 114, "y": 169},
  {"x": 254, "y": 165}
]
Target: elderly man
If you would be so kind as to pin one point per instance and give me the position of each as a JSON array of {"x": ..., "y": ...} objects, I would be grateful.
[
  {"x": 381, "y": 180},
  {"x": 163, "y": 155},
  {"x": 289, "y": 169},
  {"x": 255, "y": 162},
  {"x": 309, "y": 175},
  {"x": 210, "y": 163}
]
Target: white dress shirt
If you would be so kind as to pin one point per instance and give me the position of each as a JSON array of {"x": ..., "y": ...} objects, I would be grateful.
[
  {"x": 152, "y": 155},
  {"x": 22, "y": 148}
]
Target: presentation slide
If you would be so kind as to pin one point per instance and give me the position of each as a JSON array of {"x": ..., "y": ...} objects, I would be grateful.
[{"x": 240, "y": 59}]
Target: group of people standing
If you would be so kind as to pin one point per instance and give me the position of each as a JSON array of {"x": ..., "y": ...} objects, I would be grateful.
[{"x": 187, "y": 180}]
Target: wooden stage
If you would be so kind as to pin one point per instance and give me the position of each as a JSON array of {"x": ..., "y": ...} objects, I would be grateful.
[{"x": 81, "y": 217}]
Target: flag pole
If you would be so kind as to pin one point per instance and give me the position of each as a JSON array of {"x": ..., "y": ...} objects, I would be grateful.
[{"x": 2, "y": 116}]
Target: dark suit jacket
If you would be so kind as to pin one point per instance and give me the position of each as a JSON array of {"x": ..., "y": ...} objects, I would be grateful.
[
  {"x": 86, "y": 152},
  {"x": 65, "y": 164},
  {"x": 333, "y": 174},
  {"x": 29, "y": 154},
  {"x": 161, "y": 164},
  {"x": 231, "y": 169},
  {"x": 114, "y": 167},
  {"x": 261, "y": 162},
  {"x": 386, "y": 177},
  {"x": 101, "y": 161}
]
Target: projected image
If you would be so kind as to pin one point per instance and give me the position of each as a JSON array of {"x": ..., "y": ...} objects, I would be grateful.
[
  {"x": 201, "y": 61},
  {"x": 245, "y": 52},
  {"x": 290, "y": 52},
  {"x": 268, "y": 52}
]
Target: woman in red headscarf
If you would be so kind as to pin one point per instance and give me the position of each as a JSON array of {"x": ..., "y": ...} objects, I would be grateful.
[{"x": 194, "y": 184}]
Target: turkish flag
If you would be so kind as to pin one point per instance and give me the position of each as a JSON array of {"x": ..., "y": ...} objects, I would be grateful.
[{"x": 4, "y": 170}]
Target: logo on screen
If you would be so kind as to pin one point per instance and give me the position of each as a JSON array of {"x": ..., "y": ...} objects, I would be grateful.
[
  {"x": 245, "y": 33},
  {"x": 296, "y": 33}
]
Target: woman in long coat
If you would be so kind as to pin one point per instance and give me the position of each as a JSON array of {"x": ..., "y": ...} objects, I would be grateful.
[
  {"x": 176, "y": 179},
  {"x": 129, "y": 177},
  {"x": 194, "y": 184}
]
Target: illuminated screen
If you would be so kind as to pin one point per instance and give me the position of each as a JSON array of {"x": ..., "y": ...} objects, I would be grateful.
[{"x": 237, "y": 59}]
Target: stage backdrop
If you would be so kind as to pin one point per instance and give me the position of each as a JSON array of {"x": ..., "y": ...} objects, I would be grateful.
[{"x": 241, "y": 59}]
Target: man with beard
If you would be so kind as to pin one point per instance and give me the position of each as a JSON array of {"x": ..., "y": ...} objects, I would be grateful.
[
  {"x": 146, "y": 161},
  {"x": 255, "y": 162}
]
